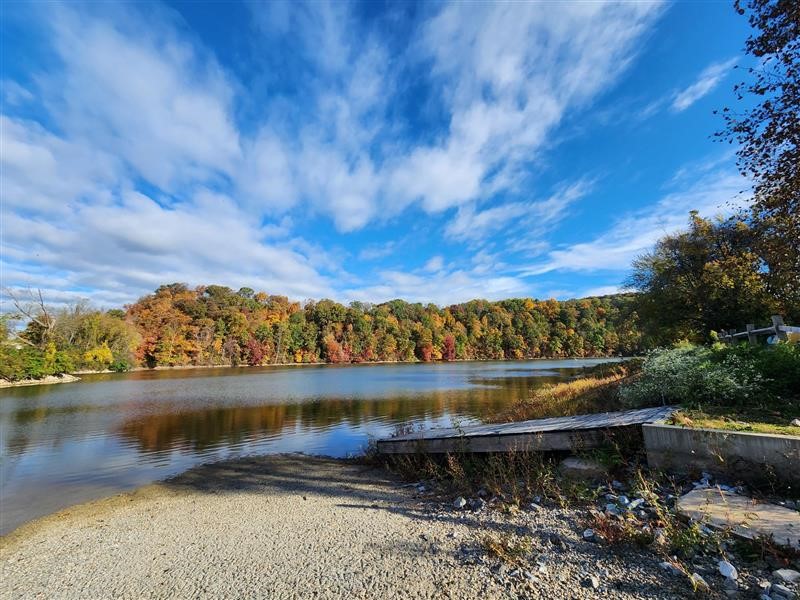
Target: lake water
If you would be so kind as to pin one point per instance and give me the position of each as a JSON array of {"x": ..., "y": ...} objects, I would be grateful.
[{"x": 69, "y": 443}]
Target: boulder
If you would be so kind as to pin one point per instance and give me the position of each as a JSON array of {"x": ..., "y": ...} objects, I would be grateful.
[{"x": 786, "y": 575}]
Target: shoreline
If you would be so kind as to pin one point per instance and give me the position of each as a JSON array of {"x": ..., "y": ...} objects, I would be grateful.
[
  {"x": 72, "y": 377},
  {"x": 289, "y": 525},
  {"x": 48, "y": 380}
]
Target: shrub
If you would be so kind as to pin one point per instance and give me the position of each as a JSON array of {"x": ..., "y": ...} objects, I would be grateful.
[
  {"x": 31, "y": 363},
  {"x": 120, "y": 366},
  {"x": 720, "y": 375}
]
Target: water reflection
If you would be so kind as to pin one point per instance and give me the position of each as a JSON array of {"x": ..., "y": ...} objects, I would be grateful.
[{"x": 73, "y": 442}]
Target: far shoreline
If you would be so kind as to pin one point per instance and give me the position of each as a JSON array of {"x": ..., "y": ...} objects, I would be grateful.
[
  {"x": 73, "y": 376},
  {"x": 48, "y": 380}
]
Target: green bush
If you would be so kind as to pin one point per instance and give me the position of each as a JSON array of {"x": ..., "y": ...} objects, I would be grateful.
[
  {"x": 721, "y": 375},
  {"x": 31, "y": 363},
  {"x": 120, "y": 366}
]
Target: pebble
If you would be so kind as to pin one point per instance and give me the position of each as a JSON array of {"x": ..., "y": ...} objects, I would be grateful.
[
  {"x": 460, "y": 502},
  {"x": 588, "y": 534},
  {"x": 670, "y": 568},
  {"x": 786, "y": 575},
  {"x": 730, "y": 584},
  {"x": 781, "y": 591},
  {"x": 477, "y": 504},
  {"x": 727, "y": 570},
  {"x": 634, "y": 504},
  {"x": 698, "y": 581},
  {"x": 593, "y": 581}
]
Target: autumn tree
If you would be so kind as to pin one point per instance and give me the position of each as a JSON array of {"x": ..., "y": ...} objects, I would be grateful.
[
  {"x": 703, "y": 279},
  {"x": 766, "y": 127}
]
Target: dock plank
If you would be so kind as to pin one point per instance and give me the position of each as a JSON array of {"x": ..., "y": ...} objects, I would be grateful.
[{"x": 557, "y": 433}]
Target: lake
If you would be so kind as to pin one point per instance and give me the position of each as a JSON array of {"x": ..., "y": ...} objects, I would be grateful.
[{"x": 68, "y": 443}]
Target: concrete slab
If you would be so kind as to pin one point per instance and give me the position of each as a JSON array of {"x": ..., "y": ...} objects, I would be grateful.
[{"x": 743, "y": 515}]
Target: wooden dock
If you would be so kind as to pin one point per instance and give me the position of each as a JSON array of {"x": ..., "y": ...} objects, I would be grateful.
[{"x": 559, "y": 433}]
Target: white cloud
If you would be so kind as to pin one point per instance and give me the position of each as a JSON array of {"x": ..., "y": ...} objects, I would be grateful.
[
  {"x": 636, "y": 232},
  {"x": 133, "y": 89},
  {"x": 535, "y": 217},
  {"x": 45, "y": 173},
  {"x": 131, "y": 247},
  {"x": 706, "y": 82},
  {"x": 469, "y": 224},
  {"x": 434, "y": 264},
  {"x": 508, "y": 72},
  {"x": 141, "y": 169},
  {"x": 603, "y": 290},
  {"x": 15, "y": 94},
  {"x": 443, "y": 287},
  {"x": 376, "y": 251}
]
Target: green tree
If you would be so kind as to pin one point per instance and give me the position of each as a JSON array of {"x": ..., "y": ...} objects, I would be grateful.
[{"x": 703, "y": 279}]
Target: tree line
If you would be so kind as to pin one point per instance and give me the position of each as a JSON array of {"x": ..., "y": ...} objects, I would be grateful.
[{"x": 215, "y": 325}]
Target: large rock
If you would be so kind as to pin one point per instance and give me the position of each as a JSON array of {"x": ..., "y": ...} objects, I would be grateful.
[
  {"x": 743, "y": 515},
  {"x": 786, "y": 575},
  {"x": 582, "y": 468}
]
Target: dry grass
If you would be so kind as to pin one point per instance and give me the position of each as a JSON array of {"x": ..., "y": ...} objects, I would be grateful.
[
  {"x": 513, "y": 477},
  {"x": 580, "y": 396},
  {"x": 510, "y": 549}
]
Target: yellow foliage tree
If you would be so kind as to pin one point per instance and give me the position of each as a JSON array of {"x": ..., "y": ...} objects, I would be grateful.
[{"x": 99, "y": 357}]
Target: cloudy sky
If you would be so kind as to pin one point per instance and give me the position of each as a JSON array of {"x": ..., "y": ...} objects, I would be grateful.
[{"x": 432, "y": 152}]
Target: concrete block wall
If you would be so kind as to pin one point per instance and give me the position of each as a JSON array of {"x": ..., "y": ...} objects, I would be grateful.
[{"x": 753, "y": 458}]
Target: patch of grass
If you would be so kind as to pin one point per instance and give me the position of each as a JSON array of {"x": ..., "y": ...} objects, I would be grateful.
[
  {"x": 510, "y": 549},
  {"x": 565, "y": 399},
  {"x": 596, "y": 391},
  {"x": 617, "y": 531},
  {"x": 513, "y": 477},
  {"x": 761, "y": 548},
  {"x": 733, "y": 420}
]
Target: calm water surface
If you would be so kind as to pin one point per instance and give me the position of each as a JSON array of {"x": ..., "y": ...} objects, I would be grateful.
[{"x": 68, "y": 443}]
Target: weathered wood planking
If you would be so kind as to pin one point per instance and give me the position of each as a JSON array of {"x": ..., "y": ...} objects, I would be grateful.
[{"x": 559, "y": 433}]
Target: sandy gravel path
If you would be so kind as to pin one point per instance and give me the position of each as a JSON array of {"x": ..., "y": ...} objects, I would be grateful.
[{"x": 289, "y": 527}]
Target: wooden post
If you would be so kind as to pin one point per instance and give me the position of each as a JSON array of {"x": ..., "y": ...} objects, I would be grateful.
[
  {"x": 751, "y": 337},
  {"x": 777, "y": 323}
]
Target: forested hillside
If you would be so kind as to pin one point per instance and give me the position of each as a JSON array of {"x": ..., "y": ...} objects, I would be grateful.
[{"x": 214, "y": 325}]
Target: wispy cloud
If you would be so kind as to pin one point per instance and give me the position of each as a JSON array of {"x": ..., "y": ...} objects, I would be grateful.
[
  {"x": 716, "y": 193},
  {"x": 376, "y": 251},
  {"x": 535, "y": 217},
  {"x": 442, "y": 287},
  {"x": 710, "y": 78},
  {"x": 135, "y": 155}
]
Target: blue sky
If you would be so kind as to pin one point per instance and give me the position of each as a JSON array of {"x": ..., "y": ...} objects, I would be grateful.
[{"x": 432, "y": 152}]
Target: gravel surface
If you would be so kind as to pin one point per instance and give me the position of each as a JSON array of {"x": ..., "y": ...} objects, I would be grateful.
[{"x": 301, "y": 527}]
